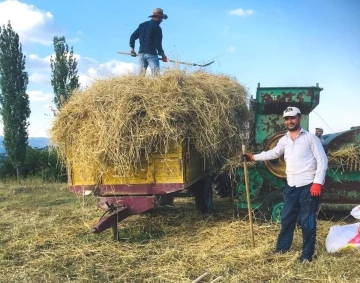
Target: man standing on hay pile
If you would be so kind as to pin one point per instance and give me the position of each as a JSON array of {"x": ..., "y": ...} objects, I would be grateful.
[
  {"x": 149, "y": 34},
  {"x": 306, "y": 165}
]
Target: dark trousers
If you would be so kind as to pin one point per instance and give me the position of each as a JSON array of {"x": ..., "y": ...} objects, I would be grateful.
[{"x": 298, "y": 203}]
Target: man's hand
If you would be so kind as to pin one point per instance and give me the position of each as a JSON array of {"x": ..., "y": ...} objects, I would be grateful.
[
  {"x": 164, "y": 58},
  {"x": 315, "y": 190},
  {"x": 248, "y": 157},
  {"x": 133, "y": 53}
]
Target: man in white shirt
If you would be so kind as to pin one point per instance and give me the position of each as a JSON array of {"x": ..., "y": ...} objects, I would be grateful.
[
  {"x": 319, "y": 132},
  {"x": 306, "y": 165}
]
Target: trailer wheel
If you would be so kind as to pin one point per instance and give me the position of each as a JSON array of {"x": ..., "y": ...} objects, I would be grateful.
[
  {"x": 203, "y": 195},
  {"x": 272, "y": 206},
  {"x": 222, "y": 185}
]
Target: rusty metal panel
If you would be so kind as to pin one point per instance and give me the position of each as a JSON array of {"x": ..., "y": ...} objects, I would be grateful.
[
  {"x": 341, "y": 191},
  {"x": 270, "y": 105},
  {"x": 335, "y": 141},
  {"x": 274, "y": 100},
  {"x": 342, "y": 185}
]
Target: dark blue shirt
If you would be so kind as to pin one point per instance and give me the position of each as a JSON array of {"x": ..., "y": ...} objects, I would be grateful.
[{"x": 150, "y": 37}]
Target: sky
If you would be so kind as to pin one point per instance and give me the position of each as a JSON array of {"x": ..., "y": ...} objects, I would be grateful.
[{"x": 274, "y": 43}]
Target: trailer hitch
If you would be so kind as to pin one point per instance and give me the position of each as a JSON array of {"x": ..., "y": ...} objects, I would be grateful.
[
  {"x": 116, "y": 214},
  {"x": 111, "y": 208}
]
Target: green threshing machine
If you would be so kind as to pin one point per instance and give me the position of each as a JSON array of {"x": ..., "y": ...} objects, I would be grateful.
[{"x": 266, "y": 179}]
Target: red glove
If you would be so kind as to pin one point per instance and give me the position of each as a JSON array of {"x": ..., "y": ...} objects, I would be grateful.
[
  {"x": 248, "y": 157},
  {"x": 164, "y": 58},
  {"x": 315, "y": 190}
]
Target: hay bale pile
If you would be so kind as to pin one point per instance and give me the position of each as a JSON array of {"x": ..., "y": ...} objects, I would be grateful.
[{"x": 119, "y": 121}]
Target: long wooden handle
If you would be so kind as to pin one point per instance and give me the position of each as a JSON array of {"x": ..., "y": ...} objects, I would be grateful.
[
  {"x": 217, "y": 279},
  {"x": 200, "y": 278},
  {"x": 125, "y": 53},
  {"x": 248, "y": 197},
  {"x": 172, "y": 61}
]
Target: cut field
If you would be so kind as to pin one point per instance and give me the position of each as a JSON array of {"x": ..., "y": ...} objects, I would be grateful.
[{"x": 44, "y": 238}]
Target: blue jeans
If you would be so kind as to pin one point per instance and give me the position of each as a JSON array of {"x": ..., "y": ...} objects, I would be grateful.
[
  {"x": 298, "y": 202},
  {"x": 150, "y": 60}
]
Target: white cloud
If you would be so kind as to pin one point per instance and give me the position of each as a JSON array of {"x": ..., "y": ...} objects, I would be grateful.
[
  {"x": 115, "y": 67},
  {"x": 39, "y": 78},
  {"x": 76, "y": 56},
  {"x": 241, "y": 12},
  {"x": 231, "y": 49},
  {"x": 32, "y": 24},
  {"x": 40, "y": 128},
  {"x": 33, "y": 61},
  {"x": 39, "y": 95},
  {"x": 96, "y": 70},
  {"x": 40, "y": 67},
  {"x": 84, "y": 63},
  {"x": 88, "y": 69}
]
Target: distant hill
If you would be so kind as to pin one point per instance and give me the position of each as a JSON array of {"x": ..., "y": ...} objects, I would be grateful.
[{"x": 33, "y": 142}]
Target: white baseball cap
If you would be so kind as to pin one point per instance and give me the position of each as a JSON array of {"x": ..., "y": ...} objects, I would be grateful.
[{"x": 291, "y": 111}]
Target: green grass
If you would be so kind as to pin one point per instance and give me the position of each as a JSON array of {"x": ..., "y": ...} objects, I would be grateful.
[{"x": 45, "y": 238}]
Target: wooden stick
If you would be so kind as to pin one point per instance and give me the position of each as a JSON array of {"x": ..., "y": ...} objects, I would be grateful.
[
  {"x": 248, "y": 197},
  {"x": 200, "y": 278}
]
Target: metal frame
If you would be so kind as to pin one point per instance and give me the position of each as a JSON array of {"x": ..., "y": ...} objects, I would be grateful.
[{"x": 140, "y": 189}]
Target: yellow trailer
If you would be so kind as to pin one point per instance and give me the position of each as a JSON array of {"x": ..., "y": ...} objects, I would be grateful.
[{"x": 153, "y": 183}]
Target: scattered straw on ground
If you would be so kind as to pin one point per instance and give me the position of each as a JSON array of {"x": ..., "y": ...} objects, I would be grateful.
[
  {"x": 44, "y": 239},
  {"x": 119, "y": 121}
]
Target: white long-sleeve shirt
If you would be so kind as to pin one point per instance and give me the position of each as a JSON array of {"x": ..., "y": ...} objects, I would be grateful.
[{"x": 305, "y": 158}]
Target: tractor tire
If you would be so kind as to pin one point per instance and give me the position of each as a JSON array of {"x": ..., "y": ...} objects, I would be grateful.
[
  {"x": 203, "y": 195},
  {"x": 272, "y": 206}
]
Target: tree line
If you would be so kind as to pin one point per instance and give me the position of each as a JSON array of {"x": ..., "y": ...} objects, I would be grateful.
[{"x": 21, "y": 160}]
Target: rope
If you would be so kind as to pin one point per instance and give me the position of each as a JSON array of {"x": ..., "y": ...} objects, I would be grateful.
[{"x": 323, "y": 121}]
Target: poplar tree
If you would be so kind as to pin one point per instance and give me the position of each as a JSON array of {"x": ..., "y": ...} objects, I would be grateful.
[
  {"x": 14, "y": 101},
  {"x": 64, "y": 77}
]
